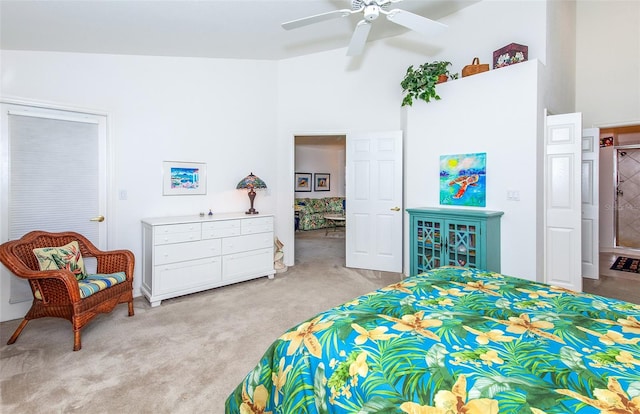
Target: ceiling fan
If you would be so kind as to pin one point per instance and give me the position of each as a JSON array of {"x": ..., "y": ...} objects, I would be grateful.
[{"x": 371, "y": 10}]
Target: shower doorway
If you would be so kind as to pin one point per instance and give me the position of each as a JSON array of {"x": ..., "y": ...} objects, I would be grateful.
[{"x": 627, "y": 196}]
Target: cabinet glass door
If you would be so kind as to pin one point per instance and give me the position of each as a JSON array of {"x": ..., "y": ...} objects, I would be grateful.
[
  {"x": 462, "y": 244},
  {"x": 429, "y": 244}
]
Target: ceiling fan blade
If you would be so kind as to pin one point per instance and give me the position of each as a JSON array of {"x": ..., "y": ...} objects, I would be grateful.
[
  {"x": 294, "y": 24},
  {"x": 359, "y": 38},
  {"x": 415, "y": 22}
]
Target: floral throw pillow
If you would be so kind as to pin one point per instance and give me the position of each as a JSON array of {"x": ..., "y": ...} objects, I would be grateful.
[{"x": 63, "y": 257}]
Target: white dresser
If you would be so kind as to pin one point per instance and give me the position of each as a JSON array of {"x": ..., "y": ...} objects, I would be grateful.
[{"x": 188, "y": 254}]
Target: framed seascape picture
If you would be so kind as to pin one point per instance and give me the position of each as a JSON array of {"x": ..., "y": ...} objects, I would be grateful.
[
  {"x": 303, "y": 182},
  {"x": 184, "y": 178},
  {"x": 463, "y": 179},
  {"x": 321, "y": 182}
]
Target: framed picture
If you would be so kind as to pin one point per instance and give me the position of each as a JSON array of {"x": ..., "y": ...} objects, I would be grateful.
[
  {"x": 303, "y": 182},
  {"x": 463, "y": 179},
  {"x": 184, "y": 178},
  {"x": 606, "y": 142},
  {"x": 322, "y": 182}
]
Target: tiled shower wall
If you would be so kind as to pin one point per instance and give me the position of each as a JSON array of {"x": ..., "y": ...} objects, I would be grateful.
[{"x": 628, "y": 207}]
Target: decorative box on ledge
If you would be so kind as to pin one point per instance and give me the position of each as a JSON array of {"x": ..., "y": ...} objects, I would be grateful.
[{"x": 510, "y": 55}]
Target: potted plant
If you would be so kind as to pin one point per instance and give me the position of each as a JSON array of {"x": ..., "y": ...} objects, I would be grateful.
[{"x": 420, "y": 83}]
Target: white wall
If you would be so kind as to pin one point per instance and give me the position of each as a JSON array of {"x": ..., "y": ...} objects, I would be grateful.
[
  {"x": 499, "y": 110},
  {"x": 344, "y": 95},
  {"x": 608, "y": 62},
  {"x": 364, "y": 93},
  {"x": 486, "y": 26},
  {"x": 322, "y": 159},
  {"x": 561, "y": 57},
  {"x": 608, "y": 84},
  {"x": 221, "y": 112}
]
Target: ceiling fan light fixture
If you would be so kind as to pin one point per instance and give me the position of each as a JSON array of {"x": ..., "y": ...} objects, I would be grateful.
[{"x": 371, "y": 12}]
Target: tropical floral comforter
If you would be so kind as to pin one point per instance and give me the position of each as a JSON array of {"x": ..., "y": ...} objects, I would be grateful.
[{"x": 454, "y": 340}]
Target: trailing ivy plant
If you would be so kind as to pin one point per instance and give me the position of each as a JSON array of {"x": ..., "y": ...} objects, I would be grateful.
[{"x": 420, "y": 83}]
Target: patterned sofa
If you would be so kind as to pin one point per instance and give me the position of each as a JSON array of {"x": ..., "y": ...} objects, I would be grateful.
[{"x": 311, "y": 211}]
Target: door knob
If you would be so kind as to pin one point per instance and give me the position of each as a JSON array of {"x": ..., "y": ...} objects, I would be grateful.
[
  {"x": 99, "y": 219},
  {"x": 395, "y": 209}
]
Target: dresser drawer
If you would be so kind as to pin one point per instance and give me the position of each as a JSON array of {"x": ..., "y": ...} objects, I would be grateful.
[
  {"x": 236, "y": 266},
  {"x": 222, "y": 228},
  {"x": 181, "y": 252},
  {"x": 236, "y": 244},
  {"x": 256, "y": 225},
  {"x": 177, "y": 228},
  {"x": 177, "y": 237},
  {"x": 180, "y": 278}
]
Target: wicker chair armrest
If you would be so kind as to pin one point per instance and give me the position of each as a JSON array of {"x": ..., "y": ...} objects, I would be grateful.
[
  {"x": 113, "y": 261},
  {"x": 42, "y": 277}
]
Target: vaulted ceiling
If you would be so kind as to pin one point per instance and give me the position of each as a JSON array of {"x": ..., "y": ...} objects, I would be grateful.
[{"x": 236, "y": 29}]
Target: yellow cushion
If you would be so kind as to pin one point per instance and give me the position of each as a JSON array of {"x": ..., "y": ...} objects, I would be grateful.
[{"x": 63, "y": 257}]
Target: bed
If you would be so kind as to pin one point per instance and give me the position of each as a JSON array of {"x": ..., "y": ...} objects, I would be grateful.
[{"x": 454, "y": 340}]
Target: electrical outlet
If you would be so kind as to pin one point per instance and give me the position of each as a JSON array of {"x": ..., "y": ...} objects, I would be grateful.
[{"x": 122, "y": 195}]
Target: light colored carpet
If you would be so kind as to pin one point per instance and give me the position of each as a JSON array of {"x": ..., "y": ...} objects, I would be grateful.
[{"x": 185, "y": 356}]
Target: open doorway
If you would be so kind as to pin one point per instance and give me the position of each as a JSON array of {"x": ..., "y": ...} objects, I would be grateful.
[
  {"x": 627, "y": 197},
  {"x": 620, "y": 189},
  {"x": 370, "y": 209},
  {"x": 619, "y": 198},
  {"x": 319, "y": 196}
]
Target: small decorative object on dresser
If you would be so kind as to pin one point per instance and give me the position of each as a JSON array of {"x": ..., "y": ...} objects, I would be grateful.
[
  {"x": 251, "y": 182},
  {"x": 182, "y": 255},
  {"x": 510, "y": 54}
]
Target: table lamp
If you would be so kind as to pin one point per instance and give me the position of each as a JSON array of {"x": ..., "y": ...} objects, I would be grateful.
[{"x": 251, "y": 182}]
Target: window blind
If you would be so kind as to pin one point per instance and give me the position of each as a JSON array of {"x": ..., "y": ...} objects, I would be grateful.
[{"x": 53, "y": 178}]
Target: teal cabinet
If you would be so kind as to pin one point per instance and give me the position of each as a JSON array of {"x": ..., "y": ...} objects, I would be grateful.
[{"x": 454, "y": 237}]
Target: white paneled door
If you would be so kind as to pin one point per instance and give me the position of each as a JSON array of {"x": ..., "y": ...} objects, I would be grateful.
[
  {"x": 590, "y": 203},
  {"x": 374, "y": 201},
  {"x": 53, "y": 179},
  {"x": 563, "y": 201}
]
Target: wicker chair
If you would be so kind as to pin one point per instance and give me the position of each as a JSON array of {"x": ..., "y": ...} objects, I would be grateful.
[{"x": 58, "y": 289}]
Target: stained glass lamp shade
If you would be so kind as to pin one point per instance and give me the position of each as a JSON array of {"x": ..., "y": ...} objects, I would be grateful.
[{"x": 251, "y": 182}]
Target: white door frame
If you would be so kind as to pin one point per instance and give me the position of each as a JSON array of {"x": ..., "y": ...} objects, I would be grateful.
[
  {"x": 8, "y": 310},
  {"x": 290, "y": 206},
  {"x": 291, "y": 256}
]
